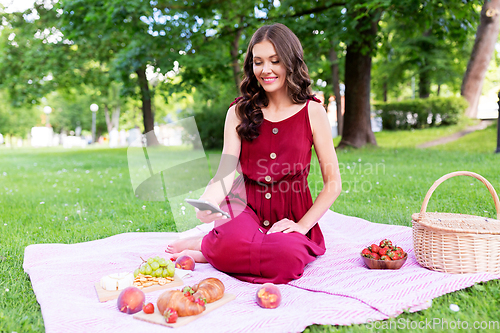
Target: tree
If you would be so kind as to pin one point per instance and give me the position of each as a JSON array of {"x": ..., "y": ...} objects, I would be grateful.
[
  {"x": 36, "y": 61},
  {"x": 484, "y": 45},
  {"x": 355, "y": 24},
  {"x": 336, "y": 86},
  {"x": 318, "y": 26},
  {"x": 113, "y": 102},
  {"x": 357, "y": 129},
  {"x": 71, "y": 108},
  {"x": 34, "y": 57},
  {"x": 128, "y": 36},
  {"x": 204, "y": 42},
  {"x": 423, "y": 42},
  {"x": 16, "y": 121},
  {"x": 218, "y": 43}
]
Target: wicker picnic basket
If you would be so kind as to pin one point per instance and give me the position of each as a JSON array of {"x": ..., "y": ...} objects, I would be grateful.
[{"x": 457, "y": 243}]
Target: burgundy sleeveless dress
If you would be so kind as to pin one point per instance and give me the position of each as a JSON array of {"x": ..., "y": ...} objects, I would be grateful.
[{"x": 272, "y": 186}]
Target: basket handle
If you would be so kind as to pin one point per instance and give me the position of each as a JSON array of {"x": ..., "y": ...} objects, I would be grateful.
[{"x": 461, "y": 173}]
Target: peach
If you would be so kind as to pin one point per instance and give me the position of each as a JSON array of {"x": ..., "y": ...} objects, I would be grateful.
[
  {"x": 268, "y": 296},
  {"x": 131, "y": 300},
  {"x": 185, "y": 262}
]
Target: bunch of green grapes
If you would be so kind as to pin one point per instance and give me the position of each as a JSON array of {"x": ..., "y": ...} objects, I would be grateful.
[{"x": 156, "y": 267}]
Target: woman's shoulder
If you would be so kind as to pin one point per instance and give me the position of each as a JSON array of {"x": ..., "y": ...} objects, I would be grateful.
[
  {"x": 317, "y": 113},
  {"x": 231, "y": 112},
  {"x": 314, "y": 98},
  {"x": 232, "y": 115},
  {"x": 316, "y": 108}
]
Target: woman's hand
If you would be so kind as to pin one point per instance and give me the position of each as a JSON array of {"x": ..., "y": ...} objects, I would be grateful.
[
  {"x": 286, "y": 226},
  {"x": 206, "y": 216}
]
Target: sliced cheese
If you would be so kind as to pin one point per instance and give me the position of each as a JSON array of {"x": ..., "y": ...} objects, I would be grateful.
[{"x": 117, "y": 281}]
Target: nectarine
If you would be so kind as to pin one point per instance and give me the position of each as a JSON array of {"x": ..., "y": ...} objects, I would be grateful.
[
  {"x": 131, "y": 300},
  {"x": 185, "y": 262},
  {"x": 268, "y": 296}
]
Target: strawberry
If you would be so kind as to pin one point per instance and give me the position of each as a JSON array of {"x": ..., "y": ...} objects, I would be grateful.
[
  {"x": 383, "y": 251},
  {"x": 375, "y": 256},
  {"x": 188, "y": 291},
  {"x": 201, "y": 301},
  {"x": 396, "y": 256},
  {"x": 390, "y": 254},
  {"x": 366, "y": 252},
  {"x": 170, "y": 315},
  {"x": 149, "y": 308},
  {"x": 400, "y": 251},
  {"x": 384, "y": 257},
  {"x": 385, "y": 243},
  {"x": 191, "y": 298},
  {"x": 375, "y": 248}
]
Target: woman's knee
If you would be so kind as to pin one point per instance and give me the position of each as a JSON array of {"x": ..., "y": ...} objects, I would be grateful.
[
  {"x": 287, "y": 259},
  {"x": 222, "y": 249}
]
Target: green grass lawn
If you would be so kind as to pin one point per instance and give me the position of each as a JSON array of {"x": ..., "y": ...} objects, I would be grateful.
[
  {"x": 70, "y": 196},
  {"x": 412, "y": 138},
  {"x": 477, "y": 142}
]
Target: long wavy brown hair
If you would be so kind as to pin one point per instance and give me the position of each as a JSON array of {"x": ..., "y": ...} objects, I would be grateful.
[{"x": 253, "y": 96}]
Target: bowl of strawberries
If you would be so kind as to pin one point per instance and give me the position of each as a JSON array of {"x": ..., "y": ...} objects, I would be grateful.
[{"x": 385, "y": 255}]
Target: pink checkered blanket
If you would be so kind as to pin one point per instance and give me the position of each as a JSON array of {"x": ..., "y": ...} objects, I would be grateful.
[{"x": 336, "y": 289}]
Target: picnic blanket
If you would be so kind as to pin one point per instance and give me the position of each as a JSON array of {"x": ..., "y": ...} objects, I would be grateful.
[{"x": 336, "y": 289}]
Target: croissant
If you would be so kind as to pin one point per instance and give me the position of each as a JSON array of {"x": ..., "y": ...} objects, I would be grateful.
[
  {"x": 176, "y": 300},
  {"x": 211, "y": 289}
]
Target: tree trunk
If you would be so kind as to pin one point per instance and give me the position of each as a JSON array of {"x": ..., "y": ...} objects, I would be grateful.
[
  {"x": 336, "y": 88},
  {"x": 484, "y": 45},
  {"x": 147, "y": 114},
  {"x": 115, "y": 118},
  {"x": 357, "y": 130},
  {"x": 234, "y": 57},
  {"x": 424, "y": 84},
  {"x": 424, "y": 80},
  {"x": 106, "y": 116}
]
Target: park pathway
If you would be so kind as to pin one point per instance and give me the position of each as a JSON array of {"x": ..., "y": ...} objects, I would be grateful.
[{"x": 482, "y": 125}]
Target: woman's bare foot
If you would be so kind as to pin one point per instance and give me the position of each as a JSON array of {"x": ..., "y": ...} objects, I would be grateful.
[
  {"x": 192, "y": 243},
  {"x": 196, "y": 255}
]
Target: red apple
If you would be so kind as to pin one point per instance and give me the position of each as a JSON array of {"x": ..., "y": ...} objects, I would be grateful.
[
  {"x": 185, "y": 262},
  {"x": 268, "y": 296},
  {"x": 131, "y": 300}
]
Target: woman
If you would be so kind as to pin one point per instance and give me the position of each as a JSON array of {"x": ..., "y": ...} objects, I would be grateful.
[{"x": 273, "y": 231}]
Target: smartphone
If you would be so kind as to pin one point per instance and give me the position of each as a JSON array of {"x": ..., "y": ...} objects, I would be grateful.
[{"x": 205, "y": 205}]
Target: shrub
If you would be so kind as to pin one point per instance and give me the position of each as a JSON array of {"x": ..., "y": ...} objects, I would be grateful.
[
  {"x": 211, "y": 103},
  {"x": 210, "y": 122},
  {"x": 421, "y": 112}
]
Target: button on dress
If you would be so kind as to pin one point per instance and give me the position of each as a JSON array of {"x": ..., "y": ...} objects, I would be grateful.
[{"x": 272, "y": 186}]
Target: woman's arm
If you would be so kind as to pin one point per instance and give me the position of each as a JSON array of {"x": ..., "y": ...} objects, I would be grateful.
[
  {"x": 332, "y": 184},
  {"x": 222, "y": 182}
]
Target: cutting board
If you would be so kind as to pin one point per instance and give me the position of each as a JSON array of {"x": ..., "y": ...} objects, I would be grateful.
[
  {"x": 157, "y": 318},
  {"x": 108, "y": 295}
]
